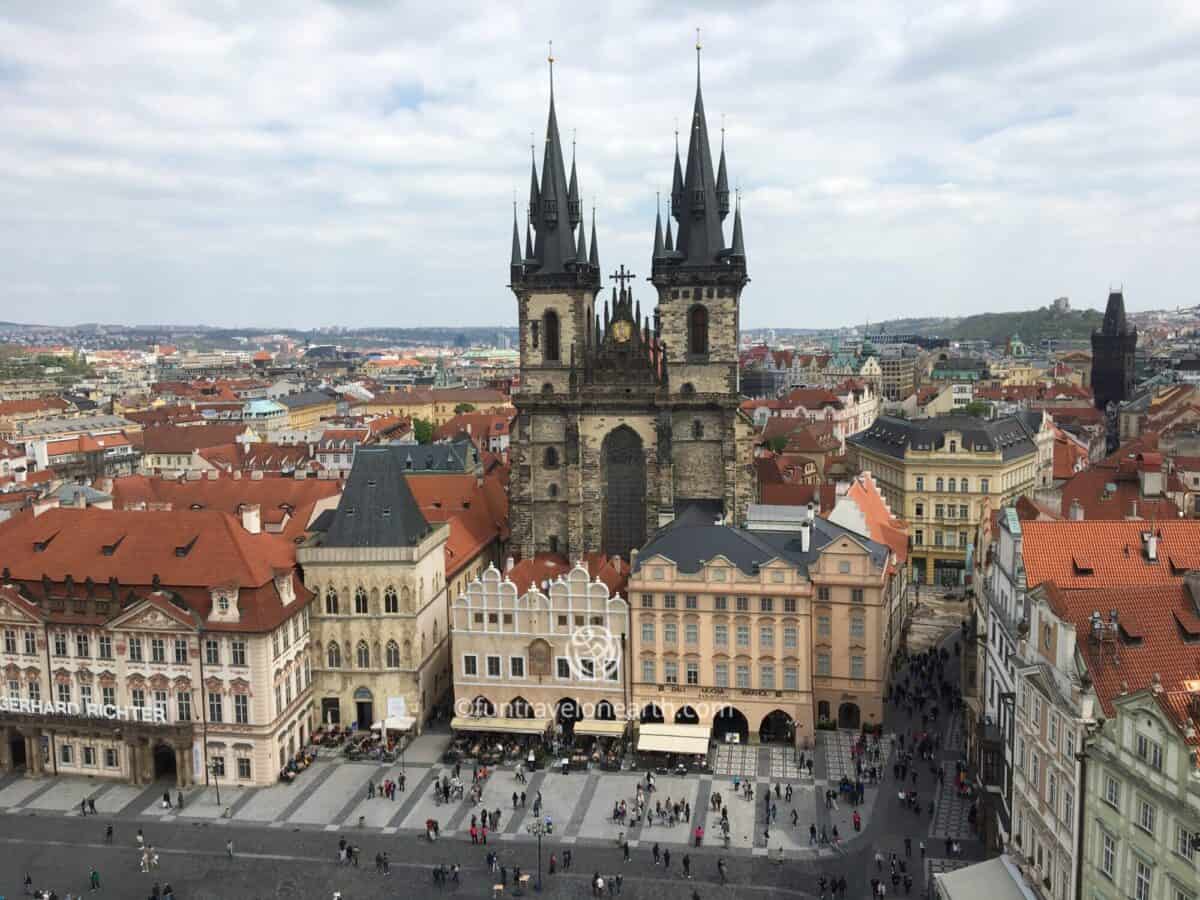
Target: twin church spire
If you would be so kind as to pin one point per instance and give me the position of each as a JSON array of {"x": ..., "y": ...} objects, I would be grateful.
[
  {"x": 556, "y": 246},
  {"x": 560, "y": 251}
]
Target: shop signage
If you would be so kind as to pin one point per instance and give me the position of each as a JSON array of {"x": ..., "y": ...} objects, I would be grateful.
[
  {"x": 89, "y": 710},
  {"x": 712, "y": 692}
]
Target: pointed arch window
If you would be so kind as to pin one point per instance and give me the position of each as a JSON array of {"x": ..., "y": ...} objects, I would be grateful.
[
  {"x": 393, "y": 655},
  {"x": 360, "y": 601},
  {"x": 698, "y": 331},
  {"x": 363, "y": 655},
  {"x": 550, "y": 458},
  {"x": 331, "y": 602},
  {"x": 697, "y": 429},
  {"x": 391, "y": 603},
  {"x": 550, "y": 342},
  {"x": 334, "y": 657}
]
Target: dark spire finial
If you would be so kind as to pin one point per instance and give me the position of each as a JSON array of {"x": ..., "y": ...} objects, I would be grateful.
[
  {"x": 739, "y": 247},
  {"x": 698, "y": 48},
  {"x": 550, "y": 60},
  {"x": 658, "y": 232},
  {"x": 722, "y": 178},
  {"x": 515, "y": 262},
  {"x": 594, "y": 253}
]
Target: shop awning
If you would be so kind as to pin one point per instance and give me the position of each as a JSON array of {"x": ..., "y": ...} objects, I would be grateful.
[
  {"x": 600, "y": 728},
  {"x": 663, "y": 738},
  {"x": 499, "y": 723},
  {"x": 395, "y": 723}
]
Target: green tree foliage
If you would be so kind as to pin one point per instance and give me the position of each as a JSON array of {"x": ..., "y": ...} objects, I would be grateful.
[{"x": 423, "y": 431}]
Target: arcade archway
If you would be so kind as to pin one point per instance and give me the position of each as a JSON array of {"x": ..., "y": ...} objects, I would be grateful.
[
  {"x": 651, "y": 713},
  {"x": 566, "y": 714},
  {"x": 849, "y": 716},
  {"x": 777, "y": 727},
  {"x": 687, "y": 716},
  {"x": 730, "y": 721}
]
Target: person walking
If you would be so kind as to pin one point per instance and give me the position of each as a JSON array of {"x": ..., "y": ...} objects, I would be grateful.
[
  {"x": 229, "y": 848},
  {"x": 178, "y": 801},
  {"x": 687, "y": 866},
  {"x": 722, "y": 870},
  {"x": 657, "y": 853},
  {"x": 108, "y": 833},
  {"x": 94, "y": 881},
  {"x": 667, "y": 858},
  {"x": 566, "y": 859},
  {"x": 908, "y": 846},
  {"x": 625, "y": 850}
]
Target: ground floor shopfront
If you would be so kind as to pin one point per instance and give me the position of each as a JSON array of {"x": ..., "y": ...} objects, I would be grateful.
[
  {"x": 146, "y": 752},
  {"x": 732, "y": 715},
  {"x": 135, "y": 752}
]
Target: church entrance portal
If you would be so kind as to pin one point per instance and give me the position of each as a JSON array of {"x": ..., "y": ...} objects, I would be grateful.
[{"x": 624, "y": 477}]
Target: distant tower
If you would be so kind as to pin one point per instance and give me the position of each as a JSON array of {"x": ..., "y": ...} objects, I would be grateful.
[{"x": 1113, "y": 349}]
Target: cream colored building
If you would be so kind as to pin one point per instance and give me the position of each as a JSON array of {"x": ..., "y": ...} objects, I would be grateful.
[
  {"x": 760, "y": 632},
  {"x": 380, "y": 641},
  {"x": 201, "y": 664},
  {"x": 515, "y": 661},
  {"x": 937, "y": 472}
]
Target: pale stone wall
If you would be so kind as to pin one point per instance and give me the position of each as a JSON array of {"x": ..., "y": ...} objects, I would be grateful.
[{"x": 418, "y": 630}]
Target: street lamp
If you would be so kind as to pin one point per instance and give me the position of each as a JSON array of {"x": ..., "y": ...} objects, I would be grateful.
[
  {"x": 214, "y": 771},
  {"x": 537, "y": 829}
]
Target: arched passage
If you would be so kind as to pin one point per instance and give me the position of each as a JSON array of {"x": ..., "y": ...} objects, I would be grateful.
[
  {"x": 777, "y": 727},
  {"x": 519, "y": 708},
  {"x": 566, "y": 713},
  {"x": 849, "y": 716},
  {"x": 623, "y": 478},
  {"x": 686, "y": 716},
  {"x": 651, "y": 713},
  {"x": 730, "y": 721},
  {"x": 482, "y": 707}
]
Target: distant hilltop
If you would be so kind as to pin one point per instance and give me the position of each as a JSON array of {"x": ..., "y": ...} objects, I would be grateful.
[{"x": 1057, "y": 320}]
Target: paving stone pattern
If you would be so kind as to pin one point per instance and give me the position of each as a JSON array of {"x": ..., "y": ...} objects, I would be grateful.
[{"x": 736, "y": 759}]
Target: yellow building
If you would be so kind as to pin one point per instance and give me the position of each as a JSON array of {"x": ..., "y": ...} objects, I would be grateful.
[
  {"x": 761, "y": 632},
  {"x": 436, "y": 405},
  {"x": 308, "y": 409},
  {"x": 937, "y": 472}
]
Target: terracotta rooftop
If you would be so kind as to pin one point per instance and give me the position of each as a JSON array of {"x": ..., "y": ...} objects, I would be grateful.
[
  {"x": 183, "y": 439},
  {"x": 189, "y": 552},
  {"x": 1096, "y": 554},
  {"x": 477, "y": 513}
]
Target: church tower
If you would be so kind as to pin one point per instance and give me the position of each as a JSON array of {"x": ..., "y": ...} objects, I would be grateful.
[
  {"x": 555, "y": 280},
  {"x": 698, "y": 276},
  {"x": 1113, "y": 348},
  {"x": 622, "y": 424}
]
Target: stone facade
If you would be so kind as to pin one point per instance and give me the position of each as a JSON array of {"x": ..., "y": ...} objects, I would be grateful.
[{"x": 392, "y": 602}]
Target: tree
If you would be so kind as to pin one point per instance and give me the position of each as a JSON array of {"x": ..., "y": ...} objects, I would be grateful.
[
  {"x": 777, "y": 444},
  {"x": 423, "y": 431},
  {"x": 464, "y": 408},
  {"x": 978, "y": 408}
]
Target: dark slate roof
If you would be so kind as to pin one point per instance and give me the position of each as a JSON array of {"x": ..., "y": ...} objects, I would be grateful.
[
  {"x": 454, "y": 456},
  {"x": 894, "y": 437},
  {"x": 377, "y": 508},
  {"x": 690, "y": 542},
  {"x": 305, "y": 398},
  {"x": 323, "y": 521},
  {"x": 1114, "y": 316}
]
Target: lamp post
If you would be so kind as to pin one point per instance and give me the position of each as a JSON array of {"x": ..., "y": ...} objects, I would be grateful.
[
  {"x": 537, "y": 829},
  {"x": 212, "y": 768}
]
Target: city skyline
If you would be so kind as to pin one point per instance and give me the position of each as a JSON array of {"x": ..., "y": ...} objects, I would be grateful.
[{"x": 356, "y": 165}]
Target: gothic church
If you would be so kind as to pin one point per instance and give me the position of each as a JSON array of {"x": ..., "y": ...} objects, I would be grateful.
[{"x": 625, "y": 421}]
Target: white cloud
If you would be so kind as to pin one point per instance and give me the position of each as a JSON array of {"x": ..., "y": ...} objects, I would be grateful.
[{"x": 355, "y": 162}]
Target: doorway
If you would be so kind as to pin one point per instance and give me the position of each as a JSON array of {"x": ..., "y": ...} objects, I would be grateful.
[
  {"x": 623, "y": 468},
  {"x": 331, "y": 711},
  {"x": 364, "y": 708},
  {"x": 164, "y": 762},
  {"x": 16, "y": 746},
  {"x": 849, "y": 716}
]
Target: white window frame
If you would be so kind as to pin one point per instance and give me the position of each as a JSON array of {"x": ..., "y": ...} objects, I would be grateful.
[
  {"x": 474, "y": 658},
  {"x": 512, "y": 672}
]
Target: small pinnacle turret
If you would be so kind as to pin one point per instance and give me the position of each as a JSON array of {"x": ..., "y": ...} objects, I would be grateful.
[
  {"x": 594, "y": 252},
  {"x": 658, "y": 235},
  {"x": 722, "y": 182}
]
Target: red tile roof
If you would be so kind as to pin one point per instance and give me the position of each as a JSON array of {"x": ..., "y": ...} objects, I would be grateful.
[
  {"x": 216, "y": 550},
  {"x": 1159, "y": 624},
  {"x": 1091, "y": 488},
  {"x": 33, "y": 406},
  {"x": 1094, "y": 554},
  {"x": 279, "y": 499},
  {"x": 477, "y": 513},
  {"x": 182, "y": 439},
  {"x": 885, "y": 527}
]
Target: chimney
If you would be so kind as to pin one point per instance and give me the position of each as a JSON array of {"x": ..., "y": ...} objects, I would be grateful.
[
  {"x": 1133, "y": 509},
  {"x": 1076, "y": 511},
  {"x": 508, "y": 565},
  {"x": 805, "y": 532},
  {"x": 252, "y": 518},
  {"x": 256, "y": 475},
  {"x": 237, "y": 474},
  {"x": 809, "y": 513},
  {"x": 213, "y": 474},
  {"x": 1156, "y": 683}
]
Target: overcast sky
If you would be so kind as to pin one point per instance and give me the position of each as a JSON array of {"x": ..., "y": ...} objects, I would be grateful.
[{"x": 304, "y": 164}]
